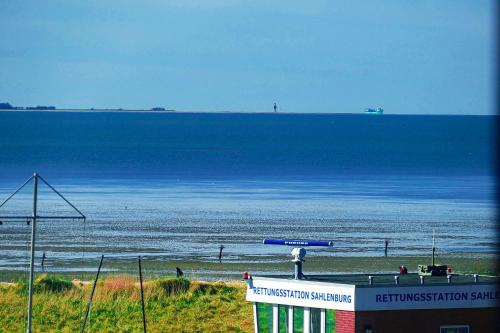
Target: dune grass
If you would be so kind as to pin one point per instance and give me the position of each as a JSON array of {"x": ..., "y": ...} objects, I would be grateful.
[{"x": 172, "y": 305}]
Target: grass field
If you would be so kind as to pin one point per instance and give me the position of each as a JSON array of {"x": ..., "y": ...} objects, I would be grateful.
[{"x": 172, "y": 305}]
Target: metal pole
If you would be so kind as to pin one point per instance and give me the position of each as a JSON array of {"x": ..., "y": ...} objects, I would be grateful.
[
  {"x": 91, "y": 296},
  {"x": 13, "y": 194},
  {"x": 32, "y": 261},
  {"x": 221, "y": 247},
  {"x": 433, "y": 246},
  {"x": 298, "y": 270},
  {"x": 142, "y": 297},
  {"x": 43, "y": 262},
  {"x": 61, "y": 196},
  {"x": 255, "y": 318},
  {"x": 33, "y": 219}
]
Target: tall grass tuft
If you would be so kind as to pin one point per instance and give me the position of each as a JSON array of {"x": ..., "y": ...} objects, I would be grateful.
[
  {"x": 174, "y": 286},
  {"x": 119, "y": 283},
  {"x": 52, "y": 283}
]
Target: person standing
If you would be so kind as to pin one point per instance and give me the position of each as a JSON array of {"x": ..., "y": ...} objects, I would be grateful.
[{"x": 275, "y": 107}]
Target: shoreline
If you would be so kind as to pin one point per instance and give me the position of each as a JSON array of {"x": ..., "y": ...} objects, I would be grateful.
[{"x": 231, "y": 270}]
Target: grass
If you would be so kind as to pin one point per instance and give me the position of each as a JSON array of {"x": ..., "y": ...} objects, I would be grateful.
[
  {"x": 52, "y": 283},
  {"x": 172, "y": 305}
]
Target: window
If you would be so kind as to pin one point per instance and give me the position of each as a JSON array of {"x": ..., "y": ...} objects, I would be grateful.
[
  {"x": 265, "y": 315},
  {"x": 454, "y": 329}
]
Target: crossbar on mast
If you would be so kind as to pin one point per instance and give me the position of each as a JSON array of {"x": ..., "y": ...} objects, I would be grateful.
[
  {"x": 42, "y": 217},
  {"x": 13, "y": 194},
  {"x": 61, "y": 196}
]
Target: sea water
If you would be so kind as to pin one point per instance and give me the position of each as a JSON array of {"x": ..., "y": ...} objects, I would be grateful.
[{"x": 180, "y": 184}]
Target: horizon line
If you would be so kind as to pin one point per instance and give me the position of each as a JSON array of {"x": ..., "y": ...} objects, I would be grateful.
[{"x": 174, "y": 111}]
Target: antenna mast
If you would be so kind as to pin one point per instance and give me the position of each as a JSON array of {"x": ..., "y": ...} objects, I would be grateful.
[
  {"x": 32, "y": 260},
  {"x": 433, "y": 246},
  {"x": 34, "y": 217}
]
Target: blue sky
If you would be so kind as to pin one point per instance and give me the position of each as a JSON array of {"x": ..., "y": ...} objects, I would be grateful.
[{"x": 419, "y": 57}]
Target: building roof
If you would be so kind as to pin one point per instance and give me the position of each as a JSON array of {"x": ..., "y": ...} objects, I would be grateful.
[{"x": 379, "y": 280}]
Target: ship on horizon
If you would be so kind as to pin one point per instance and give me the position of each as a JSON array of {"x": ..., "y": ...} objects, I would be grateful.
[{"x": 374, "y": 111}]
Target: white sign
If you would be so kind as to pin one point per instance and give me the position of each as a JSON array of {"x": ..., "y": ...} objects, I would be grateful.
[
  {"x": 447, "y": 296},
  {"x": 351, "y": 298},
  {"x": 301, "y": 293}
]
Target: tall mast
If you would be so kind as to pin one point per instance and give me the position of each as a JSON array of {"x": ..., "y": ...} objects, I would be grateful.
[
  {"x": 32, "y": 261},
  {"x": 433, "y": 245},
  {"x": 33, "y": 218}
]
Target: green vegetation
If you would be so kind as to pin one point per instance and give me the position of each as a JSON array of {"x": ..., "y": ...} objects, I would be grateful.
[
  {"x": 52, "y": 283},
  {"x": 172, "y": 305}
]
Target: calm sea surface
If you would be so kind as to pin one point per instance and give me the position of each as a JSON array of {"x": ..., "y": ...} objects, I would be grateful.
[{"x": 178, "y": 185}]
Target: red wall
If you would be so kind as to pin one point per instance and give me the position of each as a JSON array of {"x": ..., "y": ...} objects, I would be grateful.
[
  {"x": 417, "y": 321},
  {"x": 344, "y": 321}
]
